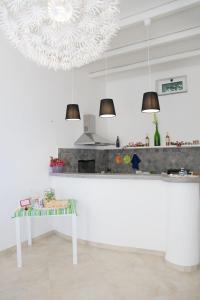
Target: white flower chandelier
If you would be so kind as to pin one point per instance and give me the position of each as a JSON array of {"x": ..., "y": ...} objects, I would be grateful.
[{"x": 60, "y": 34}]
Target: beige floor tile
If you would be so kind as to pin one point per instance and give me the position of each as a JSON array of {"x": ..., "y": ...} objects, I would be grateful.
[{"x": 48, "y": 273}]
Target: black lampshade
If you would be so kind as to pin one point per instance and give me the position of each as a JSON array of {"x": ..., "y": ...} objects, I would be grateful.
[
  {"x": 150, "y": 102},
  {"x": 107, "y": 108},
  {"x": 72, "y": 112}
]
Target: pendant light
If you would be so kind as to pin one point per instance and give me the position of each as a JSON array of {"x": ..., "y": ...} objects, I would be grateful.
[
  {"x": 72, "y": 111},
  {"x": 150, "y": 103},
  {"x": 107, "y": 107}
]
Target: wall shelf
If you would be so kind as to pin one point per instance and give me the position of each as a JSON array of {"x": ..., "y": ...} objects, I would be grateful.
[{"x": 154, "y": 147}]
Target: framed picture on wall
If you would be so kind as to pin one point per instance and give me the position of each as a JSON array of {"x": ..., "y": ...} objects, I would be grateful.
[{"x": 171, "y": 85}]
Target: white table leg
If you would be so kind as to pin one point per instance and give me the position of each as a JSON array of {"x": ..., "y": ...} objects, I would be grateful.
[
  {"x": 74, "y": 239},
  {"x": 28, "y": 220},
  {"x": 18, "y": 243}
]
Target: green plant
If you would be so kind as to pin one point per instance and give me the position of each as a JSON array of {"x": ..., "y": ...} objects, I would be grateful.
[{"x": 155, "y": 119}]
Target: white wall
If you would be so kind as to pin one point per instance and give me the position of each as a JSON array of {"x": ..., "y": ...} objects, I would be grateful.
[
  {"x": 179, "y": 112},
  {"x": 32, "y": 127}
]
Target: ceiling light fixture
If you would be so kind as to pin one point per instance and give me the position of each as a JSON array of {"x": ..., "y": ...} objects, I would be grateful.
[
  {"x": 150, "y": 103},
  {"x": 60, "y": 34},
  {"x": 72, "y": 111},
  {"x": 107, "y": 107},
  {"x": 61, "y": 11}
]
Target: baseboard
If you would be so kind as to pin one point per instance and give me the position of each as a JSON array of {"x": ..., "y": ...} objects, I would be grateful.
[
  {"x": 129, "y": 250},
  {"x": 12, "y": 249},
  {"x": 183, "y": 268},
  {"x": 110, "y": 247},
  {"x": 106, "y": 247},
  {"x": 85, "y": 242}
]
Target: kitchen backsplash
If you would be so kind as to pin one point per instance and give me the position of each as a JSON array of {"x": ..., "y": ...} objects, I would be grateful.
[
  {"x": 152, "y": 159},
  {"x": 71, "y": 157}
]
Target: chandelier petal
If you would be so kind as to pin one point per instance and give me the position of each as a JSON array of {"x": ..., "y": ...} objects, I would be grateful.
[{"x": 60, "y": 34}]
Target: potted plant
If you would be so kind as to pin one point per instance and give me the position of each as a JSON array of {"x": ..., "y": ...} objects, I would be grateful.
[{"x": 56, "y": 165}]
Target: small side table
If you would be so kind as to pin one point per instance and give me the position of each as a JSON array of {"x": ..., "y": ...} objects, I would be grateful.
[{"x": 20, "y": 213}]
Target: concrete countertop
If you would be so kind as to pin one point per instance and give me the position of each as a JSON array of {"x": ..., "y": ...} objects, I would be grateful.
[
  {"x": 181, "y": 179},
  {"x": 175, "y": 179}
]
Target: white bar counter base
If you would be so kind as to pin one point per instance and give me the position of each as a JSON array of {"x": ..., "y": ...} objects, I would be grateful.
[
  {"x": 143, "y": 212},
  {"x": 183, "y": 228}
]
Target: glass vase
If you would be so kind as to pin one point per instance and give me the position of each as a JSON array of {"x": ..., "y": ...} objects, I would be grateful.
[{"x": 157, "y": 137}]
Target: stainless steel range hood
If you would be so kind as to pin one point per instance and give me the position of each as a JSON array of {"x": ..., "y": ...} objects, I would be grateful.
[{"x": 89, "y": 137}]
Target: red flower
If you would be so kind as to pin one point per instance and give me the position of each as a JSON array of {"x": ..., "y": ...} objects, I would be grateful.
[{"x": 55, "y": 162}]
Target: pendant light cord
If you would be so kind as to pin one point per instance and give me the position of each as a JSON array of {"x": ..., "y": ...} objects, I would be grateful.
[
  {"x": 148, "y": 54},
  {"x": 106, "y": 75},
  {"x": 73, "y": 86}
]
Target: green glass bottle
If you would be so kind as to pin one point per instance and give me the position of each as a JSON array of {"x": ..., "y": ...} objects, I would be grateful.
[{"x": 157, "y": 137}]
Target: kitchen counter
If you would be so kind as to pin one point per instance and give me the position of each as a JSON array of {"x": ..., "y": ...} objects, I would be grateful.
[
  {"x": 152, "y": 212},
  {"x": 180, "y": 179}
]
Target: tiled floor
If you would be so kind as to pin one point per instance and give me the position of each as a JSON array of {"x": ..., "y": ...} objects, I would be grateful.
[{"x": 48, "y": 273}]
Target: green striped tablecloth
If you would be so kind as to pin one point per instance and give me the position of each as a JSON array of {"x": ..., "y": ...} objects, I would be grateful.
[{"x": 40, "y": 212}]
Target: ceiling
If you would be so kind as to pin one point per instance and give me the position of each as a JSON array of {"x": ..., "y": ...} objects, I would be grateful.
[
  {"x": 174, "y": 34},
  {"x": 133, "y": 7}
]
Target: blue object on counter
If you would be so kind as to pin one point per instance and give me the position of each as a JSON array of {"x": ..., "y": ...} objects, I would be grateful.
[
  {"x": 183, "y": 172},
  {"x": 135, "y": 162}
]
